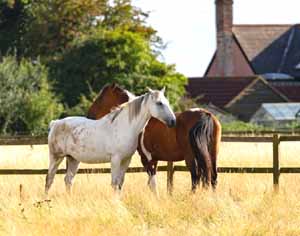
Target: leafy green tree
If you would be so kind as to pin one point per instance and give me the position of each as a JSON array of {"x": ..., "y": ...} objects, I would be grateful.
[
  {"x": 26, "y": 102},
  {"x": 87, "y": 43},
  {"x": 45, "y": 28},
  {"x": 113, "y": 56},
  {"x": 56, "y": 23},
  {"x": 13, "y": 19},
  {"x": 122, "y": 15}
]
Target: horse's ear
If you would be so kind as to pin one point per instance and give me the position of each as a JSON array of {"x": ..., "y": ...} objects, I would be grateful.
[
  {"x": 163, "y": 89},
  {"x": 150, "y": 90},
  {"x": 113, "y": 85}
]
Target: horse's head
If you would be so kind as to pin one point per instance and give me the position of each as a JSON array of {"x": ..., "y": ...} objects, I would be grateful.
[
  {"x": 160, "y": 108},
  {"x": 109, "y": 97}
]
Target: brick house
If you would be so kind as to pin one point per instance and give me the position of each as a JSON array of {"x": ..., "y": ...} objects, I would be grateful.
[{"x": 253, "y": 64}]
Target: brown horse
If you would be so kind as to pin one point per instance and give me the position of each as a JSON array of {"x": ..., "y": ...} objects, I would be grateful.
[{"x": 195, "y": 139}]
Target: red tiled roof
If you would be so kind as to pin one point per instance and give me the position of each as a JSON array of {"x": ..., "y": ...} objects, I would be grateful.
[
  {"x": 290, "y": 89},
  {"x": 218, "y": 91}
]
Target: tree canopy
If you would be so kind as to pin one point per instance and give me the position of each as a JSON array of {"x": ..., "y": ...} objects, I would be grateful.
[
  {"x": 84, "y": 45},
  {"x": 113, "y": 56},
  {"x": 43, "y": 28}
]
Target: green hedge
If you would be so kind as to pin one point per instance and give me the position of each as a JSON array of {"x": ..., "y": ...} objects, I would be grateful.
[{"x": 26, "y": 101}]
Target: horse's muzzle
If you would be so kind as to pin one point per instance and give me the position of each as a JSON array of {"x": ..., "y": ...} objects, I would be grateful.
[{"x": 171, "y": 123}]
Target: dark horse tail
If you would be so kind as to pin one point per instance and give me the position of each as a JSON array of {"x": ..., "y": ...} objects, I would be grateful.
[{"x": 201, "y": 135}]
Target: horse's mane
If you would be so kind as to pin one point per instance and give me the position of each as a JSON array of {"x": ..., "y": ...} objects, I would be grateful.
[
  {"x": 134, "y": 107},
  {"x": 102, "y": 92},
  {"x": 130, "y": 95}
]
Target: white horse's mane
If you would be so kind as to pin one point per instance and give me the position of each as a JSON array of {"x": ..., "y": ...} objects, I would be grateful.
[
  {"x": 130, "y": 95},
  {"x": 134, "y": 107}
]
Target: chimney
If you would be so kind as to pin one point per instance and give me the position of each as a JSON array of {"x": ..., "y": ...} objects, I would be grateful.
[{"x": 224, "y": 57}]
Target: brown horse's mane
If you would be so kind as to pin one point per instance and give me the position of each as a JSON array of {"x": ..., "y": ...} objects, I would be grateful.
[
  {"x": 102, "y": 92},
  {"x": 114, "y": 86},
  {"x": 121, "y": 94}
]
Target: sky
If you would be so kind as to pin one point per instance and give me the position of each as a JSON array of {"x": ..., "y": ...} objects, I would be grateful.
[{"x": 188, "y": 27}]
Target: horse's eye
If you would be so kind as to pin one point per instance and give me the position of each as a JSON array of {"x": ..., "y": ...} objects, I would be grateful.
[{"x": 159, "y": 103}]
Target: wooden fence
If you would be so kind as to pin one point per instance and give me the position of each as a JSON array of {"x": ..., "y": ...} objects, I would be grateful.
[{"x": 276, "y": 170}]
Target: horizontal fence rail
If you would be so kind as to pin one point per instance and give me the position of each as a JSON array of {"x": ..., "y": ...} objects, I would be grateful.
[
  {"x": 237, "y": 170},
  {"x": 276, "y": 170},
  {"x": 247, "y": 139},
  {"x": 42, "y": 140},
  {"x": 262, "y": 133},
  {"x": 23, "y": 140}
]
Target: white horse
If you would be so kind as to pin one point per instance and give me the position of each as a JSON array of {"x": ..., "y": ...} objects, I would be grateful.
[{"x": 113, "y": 138}]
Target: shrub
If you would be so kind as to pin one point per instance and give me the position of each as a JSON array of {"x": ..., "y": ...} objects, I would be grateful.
[
  {"x": 26, "y": 101},
  {"x": 242, "y": 126}
]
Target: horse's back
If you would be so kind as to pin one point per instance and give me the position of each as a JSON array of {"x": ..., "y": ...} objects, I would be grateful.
[
  {"x": 65, "y": 125},
  {"x": 61, "y": 130}
]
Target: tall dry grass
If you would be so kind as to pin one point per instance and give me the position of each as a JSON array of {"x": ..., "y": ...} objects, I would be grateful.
[{"x": 243, "y": 204}]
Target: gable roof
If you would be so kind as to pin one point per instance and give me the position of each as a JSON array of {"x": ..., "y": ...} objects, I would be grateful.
[
  {"x": 270, "y": 48},
  {"x": 255, "y": 38},
  {"x": 223, "y": 92},
  {"x": 218, "y": 91},
  {"x": 291, "y": 89}
]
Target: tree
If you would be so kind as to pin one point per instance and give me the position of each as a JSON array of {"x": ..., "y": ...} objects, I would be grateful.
[
  {"x": 56, "y": 23},
  {"x": 87, "y": 44},
  {"x": 46, "y": 28},
  {"x": 26, "y": 101},
  {"x": 122, "y": 15},
  {"x": 13, "y": 19},
  {"x": 113, "y": 56}
]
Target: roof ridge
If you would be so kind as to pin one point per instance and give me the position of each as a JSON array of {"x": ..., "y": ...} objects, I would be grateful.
[
  {"x": 264, "y": 25},
  {"x": 286, "y": 50},
  {"x": 223, "y": 77},
  {"x": 279, "y": 103}
]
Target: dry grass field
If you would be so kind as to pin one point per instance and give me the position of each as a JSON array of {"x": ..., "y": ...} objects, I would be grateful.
[{"x": 243, "y": 204}]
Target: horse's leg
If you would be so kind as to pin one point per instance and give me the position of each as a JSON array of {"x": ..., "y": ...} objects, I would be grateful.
[
  {"x": 215, "y": 150},
  {"x": 115, "y": 172},
  {"x": 150, "y": 167},
  {"x": 72, "y": 167},
  {"x": 123, "y": 168},
  {"x": 192, "y": 166},
  {"x": 151, "y": 170},
  {"x": 214, "y": 172},
  {"x": 195, "y": 177},
  {"x": 54, "y": 162},
  {"x": 208, "y": 172}
]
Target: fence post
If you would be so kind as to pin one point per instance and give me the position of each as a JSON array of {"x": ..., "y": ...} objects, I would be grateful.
[
  {"x": 276, "y": 169},
  {"x": 170, "y": 174}
]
